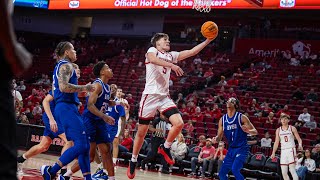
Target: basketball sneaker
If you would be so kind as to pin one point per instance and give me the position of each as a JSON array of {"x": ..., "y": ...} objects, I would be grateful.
[
  {"x": 165, "y": 152},
  {"x": 131, "y": 171},
  {"x": 45, "y": 172}
]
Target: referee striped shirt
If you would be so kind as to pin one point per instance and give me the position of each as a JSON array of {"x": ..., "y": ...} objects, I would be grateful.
[{"x": 159, "y": 124}]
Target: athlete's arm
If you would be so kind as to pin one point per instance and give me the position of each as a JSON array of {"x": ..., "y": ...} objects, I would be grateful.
[
  {"x": 46, "y": 106},
  {"x": 65, "y": 72},
  {"x": 16, "y": 55},
  {"x": 276, "y": 144},
  {"x": 152, "y": 58},
  {"x": 123, "y": 124},
  {"x": 92, "y": 101},
  {"x": 296, "y": 135},
  {"x": 218, "y": 138},
  {"x": 194, "y": 51},
  {"x": 248, "y": 126}
]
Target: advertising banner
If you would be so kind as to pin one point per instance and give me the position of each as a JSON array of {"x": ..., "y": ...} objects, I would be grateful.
[
  {"x": 182, "y": 4},
  {"x": 270, "y": 47}
]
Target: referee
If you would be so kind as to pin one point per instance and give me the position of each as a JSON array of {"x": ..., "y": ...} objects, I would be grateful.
[{"x": 158, "y": 128}]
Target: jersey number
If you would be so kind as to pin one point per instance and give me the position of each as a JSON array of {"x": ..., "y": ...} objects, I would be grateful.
[
  {"x": 164, "y": 70},
  {"x": 285, "y": 138},
  {"x": 232, "y": 135}
]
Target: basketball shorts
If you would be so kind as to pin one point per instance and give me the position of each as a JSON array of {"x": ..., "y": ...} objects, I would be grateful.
[
  {"x": 96, "y": 130},
  {"x": 150, "y": 103},
  {"x": 288, "y": 156},
  {"x": 68, "y": 115},
  {"x": 112, "y": 132},
  {"x": 47, "y": 131}
]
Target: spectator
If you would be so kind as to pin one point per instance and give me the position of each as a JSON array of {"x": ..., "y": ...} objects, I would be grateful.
[
  {"x": 298, "y": 94},
  {"x": 28, "y": 113},
  {"x": 183, "y": 109},
  {"x": 284, "y": 110},
  {"x": 311, "y": 70},
  {"x": 130, "y": 99},
  {"x": 202, "y": 141},
  {"x": 294, "y": 61},
  {"x": 317, "y": 141},
  {"x": 208, "y": 113},
  {"x": 303, "y": 118},
  {"x": 191, "y": 109},
  {"x": 209, "y": 73},
  {"x": 252, "y": 140},
  {"x": 316, "y": 154},
  {"x": 253, "y": 107},
  {"x": 296, "y": 82},
  {"x": 130, "y": 126},
  {"x": 46, "y": 80},
  {"x": 37, "y": 111},
  {"x": 276, "y": 106},
  {"x": 204, "y": 158},
  {"x": 14, "y": 84},
  {"x": 127, "y": 142},
  {"x": 266, "y": 110},
  {"x": 216, "y": 112},
  {"x": 17, "y": 99},
  {"x": 252, "y": 87},
  {"x": 180, "y": 100},
  {"x": 231, "y": 93},
  {"x": 233, "y": 81},
  {"x": 200, "y": 72},
  {"x": 270, "y": 118},
  {"x": 305, "y": 164},
  {"x": 179, "y": 149},
  {"x": 218, "y": 157},
  {"x": 197, "y": 60},
  {"x": 189, "y": 128},
  {"x": 197, "y": 116},
  {"x": 222, "y": 81},
  {"x": 266, "y": 141},
  {"x": 133, "y": 75},
  {"x": 312, "y": 96},
  {"x": 23, "y": 119},
  {"x": 21, "y": 87}
]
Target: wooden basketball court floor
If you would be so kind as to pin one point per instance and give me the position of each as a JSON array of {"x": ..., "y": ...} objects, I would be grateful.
[{"x": 30, "y": 170}]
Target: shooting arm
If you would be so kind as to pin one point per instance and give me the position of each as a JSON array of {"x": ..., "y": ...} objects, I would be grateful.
[{"x": 192, "y": 52}]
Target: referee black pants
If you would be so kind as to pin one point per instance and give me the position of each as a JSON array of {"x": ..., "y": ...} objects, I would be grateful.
[{"x": 153, "y": 153}]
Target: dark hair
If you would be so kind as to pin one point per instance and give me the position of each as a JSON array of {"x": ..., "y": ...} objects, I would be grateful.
[
  {"x": 304, "y": 157},
  {"x": 97, "y": 68},
  {"x": 62, "y": 47},
  {"x": 156, "y": 38}
]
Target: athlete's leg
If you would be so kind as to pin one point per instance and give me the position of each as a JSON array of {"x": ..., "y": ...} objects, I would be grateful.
[
  {"x": 226, "y": 166},
  {"x": 115, "y": 149},
  {"x": 105, "y": 150},
  {"x": 238, "y": 164},
  {"x": 43, "y": 146},
  {"x": 292, "y": 169},
  {"x": 75, "y": 167},
  {"x": 138, "y": 140},
  {"x": 284, "y": 171}
]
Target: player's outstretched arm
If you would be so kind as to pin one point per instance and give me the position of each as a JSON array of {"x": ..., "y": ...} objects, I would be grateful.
[
  {"x": 276, "y": 144},
  {"x": 65, "y": 73},
  {"x": 248, "y": 126},
  {"x": 194, "y": 51},
  {"x": 297, "y": 136},
  {"x": 16, "y": 55},
  {"x": 46, "y": 106},
  {"x": 93, "y": 108},
  {"x": 219, "y": 136}
]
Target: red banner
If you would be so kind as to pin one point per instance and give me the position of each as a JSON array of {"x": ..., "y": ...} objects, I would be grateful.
[
  {"x": 270, "y": 47},
  {"x": 181, "y": 4}
]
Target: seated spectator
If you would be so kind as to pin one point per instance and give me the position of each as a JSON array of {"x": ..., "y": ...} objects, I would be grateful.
[
  {"x": 218, "y": 157},
  {"x": 21, "y": 87},
  {"x": 311, "y": 70},
  {"x": 28, "y": 113},
  {"x": 231, "y": 93},
  {"x": 312, "y": 96},
  {"x": 266, "y": 110},
  {"x": 294, "y": 61},
  {"x": 189, "y": 128},
  {"x": 206, "y": 155},
  {"x": 23, "y": 119},
  {"x": 133, "y": 75},
  {"x": 130, "y": 126},
  {"x": 233, "y": 81},
  {"x": 180, "y": 100},
  {"x": 208, "y": 113},
  {"x": 46, "y": 80},
  {"x": 239, "y": 73},
  {"x": 276, "y": 106},
  {"x": 252, "y": 87},
  {"x": 252, "y": 140},
  {"x": 37, "y": 111},
  {"x": 253, "y": 107},
  {"x": 216, "y": 113},
  {"x": 179, "y": 148},
  {"x": 34, "y": 97},
  {"x": 284, "y": 110},
  {"x": 42, "y": 79},
  {"x": 197, "y": 116},
  {"x": 202, "y": 141},
  {"x": 245, "y": 100},
  {"x": 126, "y": 143},
  {"x": 183, "y": 109},
  {"x": 270, "y": 118},
  {"x": 305, "y": 164},
  {"x": 130, "y": 99},
  {"x": 266, "y": 141},
  {"x": 303, "y": 118},
  {"x": 209, "y": 73},
  {"x": 17, "y": 99},
  {"x": 317, "y": 140},
  {"x": 296, "y": 82},
  {"x": 191, "y": 108},
  {"x": 197, "y": 60},
  {"x": 193, "y": 97},
  {"x": 222, "y": 81},
  {"x": 298, "y": 94}
]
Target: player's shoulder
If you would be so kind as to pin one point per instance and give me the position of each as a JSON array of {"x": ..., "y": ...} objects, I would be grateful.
[{"x": 152, "y": 50}]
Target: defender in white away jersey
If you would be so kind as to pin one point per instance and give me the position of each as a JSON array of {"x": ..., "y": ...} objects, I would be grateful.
[
  {"x": 285, "y": 135},
  {"x": 157, "y": 77}
]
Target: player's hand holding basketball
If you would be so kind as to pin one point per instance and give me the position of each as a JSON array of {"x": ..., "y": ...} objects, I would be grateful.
[
  {"x": 108, "y": 119},
  {"x": 177, "y": 70},
  {"x": 209, "y": 30}
]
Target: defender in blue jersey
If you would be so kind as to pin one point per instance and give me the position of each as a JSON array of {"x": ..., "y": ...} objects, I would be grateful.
[
  {"x": 94, "y": 117},
  {"x": 52, "y": 130},
  {"x": 235, "y": 127},
  {"x": 65, "y": 91}
]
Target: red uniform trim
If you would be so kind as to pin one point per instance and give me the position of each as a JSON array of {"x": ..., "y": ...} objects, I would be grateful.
[{"x": 145, "y": 98}]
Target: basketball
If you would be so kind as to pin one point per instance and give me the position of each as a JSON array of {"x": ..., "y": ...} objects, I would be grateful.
[{"x": 209, "y": 30}]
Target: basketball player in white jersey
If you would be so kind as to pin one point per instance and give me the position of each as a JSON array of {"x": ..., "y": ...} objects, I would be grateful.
[
  {"x": 159, "y": 62},
  {"x": 285, "y": 134}
]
